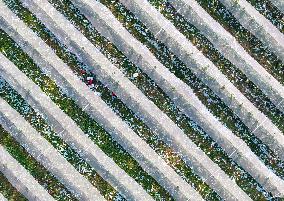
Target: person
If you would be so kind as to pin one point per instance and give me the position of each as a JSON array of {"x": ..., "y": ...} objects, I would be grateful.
[
  {"x": 113, "y": 95},
  {"x": 91, "y": 80},
  {"x": 82, "y": 71}
]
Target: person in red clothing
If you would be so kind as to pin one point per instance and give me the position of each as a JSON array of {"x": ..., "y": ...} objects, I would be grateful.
[
  {"x": 113, "y": 95},
  {"x": 90, "y": 81},
  {"x": 82, "y": 71}
]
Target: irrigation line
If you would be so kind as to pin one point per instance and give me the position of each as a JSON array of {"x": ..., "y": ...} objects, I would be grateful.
[
  {"x": 61, "y": 131},
  {"x": 279, "y": 103},
  {"x": 86, "y": 107},
  {"x": 164, "y": 27},
  {"x": 159, "y": 32}
]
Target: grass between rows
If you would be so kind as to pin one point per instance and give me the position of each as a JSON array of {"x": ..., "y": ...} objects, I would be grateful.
[
  {"x": 141, "y": 34},
  {"x": 152, "y": 92},
  {"x": 6, "y": 188},
  {"x": 89, "y": 126},
  {"x": 42, "y": 176},
  {"x": 248, "y": 41},
  {"x": 18, "y": 103},
  {"x": 125, "y": 113},
  {"x": 269, "y": 11},
  {"x": 144, "y": 83},
  {"x": 248, "y": 88},
  {"x": 113, "y": 55},
  {"x": 238, "y": 79}
]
